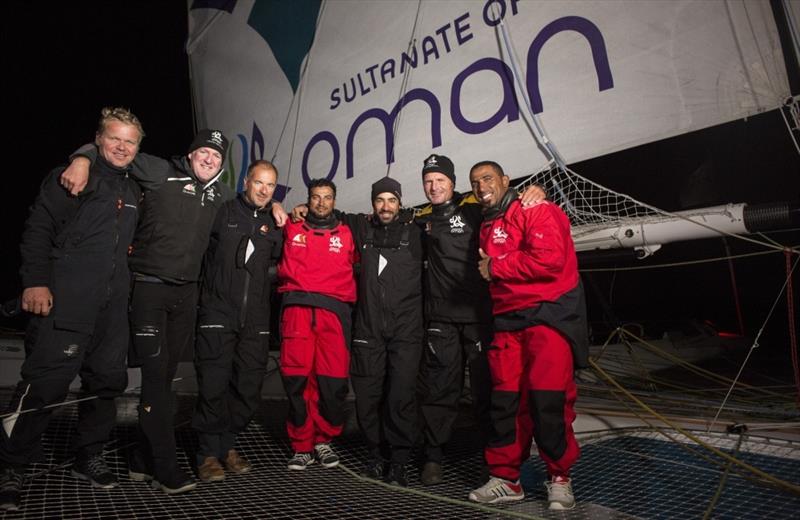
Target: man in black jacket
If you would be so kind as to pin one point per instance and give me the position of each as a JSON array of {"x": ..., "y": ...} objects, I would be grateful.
[
  {"x": 387, "y": 342},
  {"x": 232, "y": 347},
  {"x": 180, "y": 202},
  {"x": 76, "y": 280},
  {"x": 458, "y": 311}
]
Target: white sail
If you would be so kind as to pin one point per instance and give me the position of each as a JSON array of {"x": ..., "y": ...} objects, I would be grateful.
[{"x": 317, "y": 87}]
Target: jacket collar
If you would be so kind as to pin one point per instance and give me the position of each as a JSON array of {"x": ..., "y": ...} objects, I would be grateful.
[{"x": 501, "y": 207}]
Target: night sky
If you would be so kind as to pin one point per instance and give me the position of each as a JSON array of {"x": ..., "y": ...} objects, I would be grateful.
[{"x": 63, "y": 62}]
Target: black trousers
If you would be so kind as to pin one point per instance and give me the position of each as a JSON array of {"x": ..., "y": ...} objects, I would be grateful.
[
  {"x": 230, "y": 368},
  {"x": 384, "y": 375},
  {"x": 162, "y": 326},
  {"x": 452, "y": 347},
  {"x": 55, "y": 353}
]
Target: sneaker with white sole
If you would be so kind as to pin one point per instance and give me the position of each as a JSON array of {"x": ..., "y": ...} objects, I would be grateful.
[
  {"x": 559, "y": 493},
  {"x": 10, "y": 487},
  {"x": 94, "y": 469},
  {"x": 300, "y": 461},
  {"x": 326, "y": 456},
  {"x": 498, "y": 490}
]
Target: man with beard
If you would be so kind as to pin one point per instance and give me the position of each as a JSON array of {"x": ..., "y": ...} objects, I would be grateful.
[
  {"x": 232, "y": 347},
  {"x": 318, "y": 289},
  {"x": 387, "y": 342},
  {"x": 76, "y": 283},
  {"x": 528, "y": 258}
]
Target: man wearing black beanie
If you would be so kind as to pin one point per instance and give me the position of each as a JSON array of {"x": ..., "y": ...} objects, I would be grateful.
[
  {"x": 387, "y": 340},
  {"x": 457, "y": 312},
  {"x": 388, "y": 334}
]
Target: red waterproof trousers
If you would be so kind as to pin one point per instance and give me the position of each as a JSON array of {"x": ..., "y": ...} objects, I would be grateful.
[
  {"x": 533, "y": 395},
  {"x": 314, "y": 368}
]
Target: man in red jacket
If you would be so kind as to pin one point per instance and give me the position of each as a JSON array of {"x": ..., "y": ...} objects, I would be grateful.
[
  {"x": 528, "y": 257},
  {"x": 318, "y": 289}
]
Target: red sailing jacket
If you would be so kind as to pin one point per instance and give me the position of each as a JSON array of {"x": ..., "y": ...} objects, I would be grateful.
[
  {"x": 533, "y": 256},
  {"x": 318, "y": 261}
]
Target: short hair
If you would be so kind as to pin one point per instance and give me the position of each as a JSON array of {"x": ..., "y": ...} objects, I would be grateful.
[
  {"x": 321, "y": 183},
  {"x": 123, "y": 115},
  {"x": 491, "y": 164},
  {"x": 261, "y": 163}
]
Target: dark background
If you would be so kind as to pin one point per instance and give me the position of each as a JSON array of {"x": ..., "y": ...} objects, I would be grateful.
[{"x": 63, "y": 62}]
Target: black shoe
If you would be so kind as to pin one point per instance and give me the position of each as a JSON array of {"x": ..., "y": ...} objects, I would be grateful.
[
  {"x": 95, "y": 470},
  {"x": 173, "y": 482},
  {"x": 10, "y": 486},
  {"x": 374, "y": 469},
  {"x": 140, "y": 468},
  {"x": 397, "y": 475},
  {"x": 431, "y": 473}
]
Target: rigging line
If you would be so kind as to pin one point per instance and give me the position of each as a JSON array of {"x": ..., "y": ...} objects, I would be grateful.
[
  {"x": 438, "y": 497},
  {"x": 73, "y": 401},
  {"x": 724, "y": 478},
  {"x": 777, "y": 482},
  {"x": 742, "y": 61},
  {"x": 755, "y": 341},
  {"x": 640, "y": 342},
  {"x": 539, "y": 134},
  {"x": 412, "y": 42},
  {"x": 789, "y": 126},
  {"x": 512, "y": 57},
  {"x": 298, "y": 97},
  {"x": 191, "y": 44},
  {"x": 768, "y": 239},
  {"x": 681, "y": 264}
]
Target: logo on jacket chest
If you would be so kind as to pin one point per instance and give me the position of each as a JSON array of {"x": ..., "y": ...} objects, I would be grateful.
[
  {"x": 263, "y": 229},
  {"x": 456, "y": 225},
  {"x": 335, "y": 245},
  {"x": 190, "y": 189},
  {"x": 499, "y": 236},
  {"x": 299, "y": 240}
]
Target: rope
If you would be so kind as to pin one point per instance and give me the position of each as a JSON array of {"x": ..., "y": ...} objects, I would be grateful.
[
  {"x": 432, "y": 496},
  {"x": 755, "y": 341},
  {"x": 690, "y": 262},
  {"x": 779, "y": 483},
  {"x": 412, "y": 42},
  {"x": 792, "y": 331},
  {"x": 723, "y": 479}
]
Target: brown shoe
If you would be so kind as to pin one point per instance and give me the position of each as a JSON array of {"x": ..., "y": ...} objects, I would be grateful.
[
  {"x": 235, "y": 463},
  {"x": 211, "y": 470}
]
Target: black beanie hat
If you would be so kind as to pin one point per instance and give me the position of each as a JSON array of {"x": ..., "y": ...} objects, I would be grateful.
[
  {"x": 210, "y": 139},
  {"x": 440, "y": 164},
  {"x": 386, "y": 185}
]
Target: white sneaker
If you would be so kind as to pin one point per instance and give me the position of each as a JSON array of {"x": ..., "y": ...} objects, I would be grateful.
[
  {"x": 497, "y": 490},
  {"x": 559, "y": 493},
  {"x": 300, "y": 460},
  {"x": 326, "y": 456}
]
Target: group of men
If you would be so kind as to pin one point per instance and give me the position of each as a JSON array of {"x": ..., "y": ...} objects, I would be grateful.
[{"x": 352, "y": 289}]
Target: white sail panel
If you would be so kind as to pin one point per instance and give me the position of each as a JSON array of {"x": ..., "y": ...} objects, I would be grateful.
[{"x": 601, "y": 75}]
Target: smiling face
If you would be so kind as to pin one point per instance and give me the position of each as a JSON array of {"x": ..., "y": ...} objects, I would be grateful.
[
  {"x": 118, "y": 143},
  {"x": 386, "y": 206},
  {"x": 488, "y": 185},
  {"x": 438, "y": 187},
  {"x": 206, "y": 163},
  {"x": 260, "y": 186},
  {"x": 321, "y": 201}
]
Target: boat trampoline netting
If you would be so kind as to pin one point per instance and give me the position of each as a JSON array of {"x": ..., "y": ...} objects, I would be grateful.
[{"x": 621, "y": 474}]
